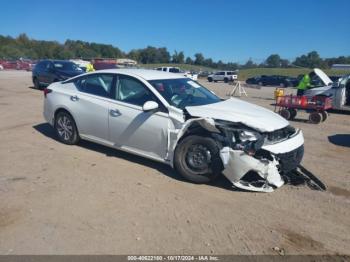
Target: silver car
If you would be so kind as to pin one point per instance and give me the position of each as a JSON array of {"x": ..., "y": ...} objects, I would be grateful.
[{"x": 172, "y": 119}]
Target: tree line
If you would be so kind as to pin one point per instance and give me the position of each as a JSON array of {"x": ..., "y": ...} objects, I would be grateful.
[{"x": 23, "y": 46}]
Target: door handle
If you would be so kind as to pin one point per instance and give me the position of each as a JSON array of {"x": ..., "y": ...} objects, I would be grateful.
[
  {"x": 74, "y": 98},
  {"x": 114, "y": 112}
]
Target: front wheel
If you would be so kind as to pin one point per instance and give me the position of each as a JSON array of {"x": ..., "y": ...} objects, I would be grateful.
[
  {"x": 66, "y": 129},
  {"x": 197, "y": 159},
  {"x": 210, "y": 79}
]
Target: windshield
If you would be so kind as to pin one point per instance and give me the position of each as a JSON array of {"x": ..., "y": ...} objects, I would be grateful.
[
  {"x": 184, "y": 92},
  {"x": 66, "y": 66}
]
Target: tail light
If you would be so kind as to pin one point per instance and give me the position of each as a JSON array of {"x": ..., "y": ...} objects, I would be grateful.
[{"x": 47, "y": 91}]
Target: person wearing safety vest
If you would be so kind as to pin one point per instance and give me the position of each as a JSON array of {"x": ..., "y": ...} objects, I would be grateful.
[
  {"x": 90, "y": 68},
  {"x": 305, "y": 83}
]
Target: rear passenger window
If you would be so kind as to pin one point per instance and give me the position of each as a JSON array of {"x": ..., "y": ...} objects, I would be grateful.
[{"x": 96, "y": 84}]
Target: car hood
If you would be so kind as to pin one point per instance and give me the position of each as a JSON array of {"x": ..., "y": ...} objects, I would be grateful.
[
  {"x": 322, "y": 75},
  {"x": 317, "y": 91},
  {"x": 238, "y": 111}
]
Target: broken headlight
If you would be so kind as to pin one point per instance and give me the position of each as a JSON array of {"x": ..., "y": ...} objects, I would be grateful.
[
  {"x": 240, "y": 137},
  {"x": 248, "y": 136}
]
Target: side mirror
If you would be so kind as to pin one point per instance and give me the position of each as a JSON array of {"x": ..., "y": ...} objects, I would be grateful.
[{"x": 149, "y": 106}]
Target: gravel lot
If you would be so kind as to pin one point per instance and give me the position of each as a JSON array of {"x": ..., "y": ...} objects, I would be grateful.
[{"x": 89, "y": 199}]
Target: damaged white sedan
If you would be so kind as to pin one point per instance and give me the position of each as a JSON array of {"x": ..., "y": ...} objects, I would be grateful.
[{"x": 174, "y": 120}]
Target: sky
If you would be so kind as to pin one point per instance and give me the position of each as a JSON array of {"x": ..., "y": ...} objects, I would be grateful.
[{"x": 227, "y": 30}]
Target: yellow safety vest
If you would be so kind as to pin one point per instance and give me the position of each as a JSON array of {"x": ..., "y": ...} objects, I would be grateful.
[{"x": 90, "y": 68}]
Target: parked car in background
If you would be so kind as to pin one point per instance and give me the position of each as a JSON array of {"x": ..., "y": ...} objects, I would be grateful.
[
  {"x": 170, "y": 69},
  {"x": 204, "y": 73},
  {"x": 46, "y": 72},
  {"x": 1, "y": 67},
  {"x": 225, "y": 76},
  {"x": 25, "y": 64},
  {"x": 21, "y": 64},
  {"x": 10, "y": 64},
  {"x": 174, "y": 120},
  {"x": 273, "y": 80}
]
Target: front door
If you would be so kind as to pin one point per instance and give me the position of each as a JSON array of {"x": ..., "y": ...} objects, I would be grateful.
[{"x": 133, "y": 129}]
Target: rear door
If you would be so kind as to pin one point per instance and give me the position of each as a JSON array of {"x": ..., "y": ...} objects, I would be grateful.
[
  {"x": 90, "y": 105},
  {"x": 41, "y": 72}
]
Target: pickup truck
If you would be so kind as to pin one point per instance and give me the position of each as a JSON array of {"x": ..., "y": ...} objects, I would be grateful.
[
  {"x": 177, "y": 70},
  {"x": 339, "y": 91}
]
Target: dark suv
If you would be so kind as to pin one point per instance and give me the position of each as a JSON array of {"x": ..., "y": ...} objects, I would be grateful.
[
  {"x": 273, "y": 80},
  {"x": 48, "y": 71}
]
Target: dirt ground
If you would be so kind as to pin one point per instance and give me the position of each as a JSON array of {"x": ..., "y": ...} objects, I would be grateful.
[{"x": 90, "y": 199}]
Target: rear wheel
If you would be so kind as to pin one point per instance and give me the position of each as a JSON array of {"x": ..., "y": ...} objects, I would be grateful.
[
  {"x": 66, "y": 129},
  {"x": 293, "y": 113},
  {"x": 197, "y": 159},
  {"x": 315, "y": 118},
  {"x": 226, "y": 80},
  {"x": 285, "y": 113},
  {"x": 324, "y": 115}
]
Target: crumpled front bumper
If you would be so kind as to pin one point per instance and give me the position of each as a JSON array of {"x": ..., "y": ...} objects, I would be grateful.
[{"x": 237, "y": 164}]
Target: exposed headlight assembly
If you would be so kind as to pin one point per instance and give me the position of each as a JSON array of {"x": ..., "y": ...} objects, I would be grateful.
[{"x": 247, "y": 136}]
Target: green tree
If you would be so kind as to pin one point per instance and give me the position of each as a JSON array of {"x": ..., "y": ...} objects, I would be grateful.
[
  {"x": 199, "y": 59},
  {"x": 273, "y": 61},
  {"x": 310, "y": 60},
  {"x": 178, "y": 58},
  {"x": 189, "y": 61}
]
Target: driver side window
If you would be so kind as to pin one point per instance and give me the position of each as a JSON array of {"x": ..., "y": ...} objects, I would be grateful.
[{"x": 132, "y": 91}]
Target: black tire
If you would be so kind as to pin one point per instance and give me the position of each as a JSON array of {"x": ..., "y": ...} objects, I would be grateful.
[
  {"x": 210, "y": 79},
  {"x": 226, "y": 80},
  {"x": 197, "y": 159},
  {"x": 285, "y": 113},
  {"x": 66, "y": 128},
  {"x": 260, "y": 83},
  {"x": 324, "y": 115},
  {"x": 293, "y": 113},
  {"x": 36, "y": 83},
  {"x": 315, "y": 118}
]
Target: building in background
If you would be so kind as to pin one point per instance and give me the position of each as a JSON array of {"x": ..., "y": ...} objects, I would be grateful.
[{"x": 341, "y": 66}]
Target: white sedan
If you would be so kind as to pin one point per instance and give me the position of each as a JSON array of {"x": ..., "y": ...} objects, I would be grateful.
[{"x": 172, "y": 119}]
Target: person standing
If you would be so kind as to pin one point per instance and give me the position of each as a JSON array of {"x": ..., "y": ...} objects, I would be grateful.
[
  {"x": 305, "y": 83},
  {"x": 90, "y": 68}
]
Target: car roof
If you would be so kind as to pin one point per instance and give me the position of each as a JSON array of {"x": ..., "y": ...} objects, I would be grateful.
[{"x": 147, "y": 74}]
